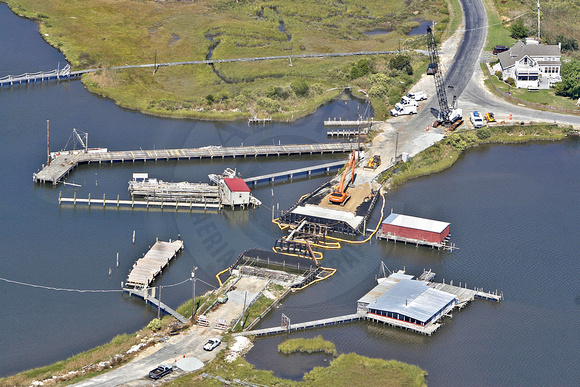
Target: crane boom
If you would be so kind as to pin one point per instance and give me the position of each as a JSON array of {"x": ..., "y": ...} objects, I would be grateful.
[{"x": 444, "y": 108}]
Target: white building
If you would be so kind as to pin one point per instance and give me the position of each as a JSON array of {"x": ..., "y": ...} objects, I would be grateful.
[
  {"x": 235, "y": 192},
  {"x": 532, "y": 66}
]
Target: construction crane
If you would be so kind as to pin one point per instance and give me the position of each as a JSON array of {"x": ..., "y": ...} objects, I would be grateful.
[
  {"x": 339, "y": 195},
  {"x": 446, "y": 113}
]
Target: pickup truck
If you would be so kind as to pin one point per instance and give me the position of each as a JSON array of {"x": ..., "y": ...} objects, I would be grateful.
[
  {"x": 417, "y": 96},
  {"x": 403, "y": 110},
  {"x": 160, "y": 371}
]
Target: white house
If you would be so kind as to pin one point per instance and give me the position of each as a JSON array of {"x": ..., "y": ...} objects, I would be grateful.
[{"x": 532, "y": 66}]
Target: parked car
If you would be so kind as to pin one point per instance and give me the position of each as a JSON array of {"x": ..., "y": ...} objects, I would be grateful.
[
  {"x": 476, "y": 119},
  {"x": 432, "y": 69},
  {"x": 418, "y": 96},
  {"x": 498, "y": 49},
  {"x": 212, "y": 344},
  {"x": 160, "y": 371},
  {"x": 489, "y": 117}
]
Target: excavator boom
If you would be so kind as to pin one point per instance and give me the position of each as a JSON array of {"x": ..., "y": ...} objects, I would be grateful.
[{"x": 339, "y": 195}]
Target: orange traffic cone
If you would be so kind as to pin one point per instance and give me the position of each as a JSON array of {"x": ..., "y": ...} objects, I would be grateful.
[
  {"x": 427, "y": 128},
  {"x": 510, "y": 116}
]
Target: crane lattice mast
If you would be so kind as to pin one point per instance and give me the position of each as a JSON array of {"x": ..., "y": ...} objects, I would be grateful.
[{"x": 445, "y": 110}]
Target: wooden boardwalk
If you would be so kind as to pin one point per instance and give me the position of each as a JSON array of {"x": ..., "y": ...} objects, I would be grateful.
[
  {"x": 66, "y": 161},
  {"x": 306, "y": 171},
  {"x": 169, "y": 204},
  {"x": 347, "y": 132},
  {"x": 340, "y": 122},
  {"x": 40, "y": 76},
  {"x": 147, "y": 268},
  {"x": 144, "y": 294},
  {"x": 301, "y": 326}
]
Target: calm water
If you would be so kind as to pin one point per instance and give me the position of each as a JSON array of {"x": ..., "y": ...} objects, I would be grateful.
[{"x": 513, "y": 210}]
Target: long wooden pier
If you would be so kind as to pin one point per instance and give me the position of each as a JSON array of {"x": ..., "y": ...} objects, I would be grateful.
[
  {"x": 340, "y": 122},
  {"x": 147, "y": 268},
  {"x": 169, "y": 204},
  {"x": 306, "y": 171},
  {"x": 301, "y": 326},
  {"x": 465, "y": 295},
  {"x": 64, "y": 162},
  {"x": 144, "y": 294}
]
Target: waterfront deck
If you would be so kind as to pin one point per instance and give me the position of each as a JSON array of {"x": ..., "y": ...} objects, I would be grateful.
[
  {"x": 465, "y": 295},
  {"x": 65, "y": 162},
  {"x": 306, "y": 171},
  {"x": 301, "y": 326},
  {"x": 347, "y": 132},
  {"x": 147, "y": 268}
]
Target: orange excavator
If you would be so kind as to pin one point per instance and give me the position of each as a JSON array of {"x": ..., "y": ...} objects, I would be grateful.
[{"x": 339, "y": 195}]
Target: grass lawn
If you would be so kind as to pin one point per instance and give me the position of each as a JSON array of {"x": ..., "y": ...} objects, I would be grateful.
[{"x": 497, "y": 34}]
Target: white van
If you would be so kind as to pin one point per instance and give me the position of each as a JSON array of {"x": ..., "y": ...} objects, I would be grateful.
[{"x": 476, "y": 119}]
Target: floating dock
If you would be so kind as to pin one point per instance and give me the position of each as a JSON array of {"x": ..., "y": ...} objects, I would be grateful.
[
  {"x": 347, "y": 132},
  {"x": 147, "y": 268},
  {"x": 64, "y": 162},
  {"x": 340, "y": 122},
  {"x": 257, "y": 121}
]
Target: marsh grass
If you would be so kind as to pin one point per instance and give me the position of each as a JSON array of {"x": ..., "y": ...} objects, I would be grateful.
[
  {"x": 104, "y": 33},
  {"x": 316, "y": 344},
  {"x": 345, "y": 370}
]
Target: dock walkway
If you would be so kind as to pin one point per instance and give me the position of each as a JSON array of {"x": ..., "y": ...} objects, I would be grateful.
[
  {"x": 306, "y": 171},
  {"x": 144, "y": 294},
  {"x": 465, "y": 295},
  {"x": 301, "y": 326},
  {"x": 66, "y": 161},
  {"x": 147, "y": 268}
]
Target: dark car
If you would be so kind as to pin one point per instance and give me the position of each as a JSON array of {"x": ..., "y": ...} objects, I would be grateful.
[
  {"x": 498, "y": 49},
  {"x": 432, "y": 69},
  {"x": 160, "y": 371}
]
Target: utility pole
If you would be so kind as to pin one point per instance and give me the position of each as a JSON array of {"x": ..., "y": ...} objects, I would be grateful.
[
  {"x": 539, "y": 21},
  {"x": 193, "y": 293},
  {"x": 47, "y": 143}
]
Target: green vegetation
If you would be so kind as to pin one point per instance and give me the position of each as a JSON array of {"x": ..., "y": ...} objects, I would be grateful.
[
  {"x": 518, "y": 30},
  {"x": 104, "y": 33},
  {"x": 346, "y": 370},
  {"x": 317, "y": 344},
  {"x": 570, "y": 85},
  {"x": 446, "y": 152},
  {"x": 497, "y": 33}
]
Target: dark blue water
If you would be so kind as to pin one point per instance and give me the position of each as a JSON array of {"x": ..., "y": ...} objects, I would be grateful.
[
  {"x": 421, "y": 29},
  {"x": 513, "y": 212}
]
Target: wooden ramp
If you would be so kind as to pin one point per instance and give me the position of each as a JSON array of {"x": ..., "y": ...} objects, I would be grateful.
[
  {"x": 144, "y": 294},
  {"x": 147, "y": 268}
]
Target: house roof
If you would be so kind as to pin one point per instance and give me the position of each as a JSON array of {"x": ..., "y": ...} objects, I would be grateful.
[
  {"x": 236, "y": 184},
  {"x": 519, "y": 50}
]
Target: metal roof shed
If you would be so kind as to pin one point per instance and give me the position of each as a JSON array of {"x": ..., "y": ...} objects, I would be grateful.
[{"x": 412, "y": 227}]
